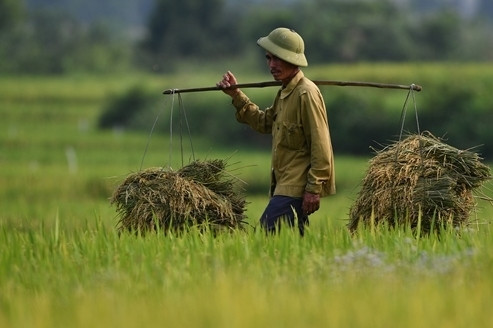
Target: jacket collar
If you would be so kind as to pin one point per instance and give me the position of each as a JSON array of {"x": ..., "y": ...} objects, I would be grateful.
[{"x": 286, "y": 91}]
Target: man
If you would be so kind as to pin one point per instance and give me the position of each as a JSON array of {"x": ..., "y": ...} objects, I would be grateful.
[{"x": 302, "y": 157}]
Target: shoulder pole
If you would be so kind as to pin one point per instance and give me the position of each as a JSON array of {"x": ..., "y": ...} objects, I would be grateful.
[{"x": 278, "y": 83}]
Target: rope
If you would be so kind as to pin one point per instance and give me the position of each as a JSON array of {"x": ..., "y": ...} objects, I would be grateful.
[
  {"x": 171, "y": 130},
  {"x": 404, "y": 110},
  {"x": 151, "y": 132},
  {"x": 182, "y": 116},
  {"x": 402, "y": 120},
  {"x": 180, "y": 106}
]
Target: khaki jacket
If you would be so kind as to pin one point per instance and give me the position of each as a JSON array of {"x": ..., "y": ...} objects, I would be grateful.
[{"x": 302, "y": 156}]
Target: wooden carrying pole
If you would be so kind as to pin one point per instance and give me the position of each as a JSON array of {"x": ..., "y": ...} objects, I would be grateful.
[{"x": 278, "y": 83}]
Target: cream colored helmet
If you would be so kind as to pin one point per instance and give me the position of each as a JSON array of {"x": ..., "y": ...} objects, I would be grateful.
[{"x": 285, "y": 44}]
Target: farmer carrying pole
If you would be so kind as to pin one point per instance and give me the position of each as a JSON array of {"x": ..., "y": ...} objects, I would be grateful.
[{"x": 302, "y": 158}]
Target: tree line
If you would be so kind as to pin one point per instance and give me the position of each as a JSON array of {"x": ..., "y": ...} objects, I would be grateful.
[{"x": 46, "y": 39}]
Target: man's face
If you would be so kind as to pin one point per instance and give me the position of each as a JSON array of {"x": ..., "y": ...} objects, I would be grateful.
[{"x": 280, "y": 70}]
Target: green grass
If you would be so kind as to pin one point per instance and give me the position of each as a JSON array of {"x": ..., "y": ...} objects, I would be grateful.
[
  {"x": 90, "y": 276},
  {"x": 62, "y": 263}
]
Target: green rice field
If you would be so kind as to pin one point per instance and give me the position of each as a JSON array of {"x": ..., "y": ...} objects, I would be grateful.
[{"x": 63, "y": 264}]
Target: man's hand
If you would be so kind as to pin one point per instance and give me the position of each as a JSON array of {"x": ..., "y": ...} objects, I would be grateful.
[
  {"x": 228, "y": 80},
  {"x": 311, "y": 203}
]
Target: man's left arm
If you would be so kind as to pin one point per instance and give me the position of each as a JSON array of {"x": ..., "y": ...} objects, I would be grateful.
[{"x": 317, "y": 135}]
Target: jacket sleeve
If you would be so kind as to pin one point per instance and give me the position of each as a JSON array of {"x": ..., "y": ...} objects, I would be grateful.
[
  {"x": 320, "y": 179},
  {"x": 249, "y": 113}
]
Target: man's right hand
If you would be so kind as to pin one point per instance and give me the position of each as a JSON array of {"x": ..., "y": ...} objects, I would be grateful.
[{"x": 228, "y": 80}]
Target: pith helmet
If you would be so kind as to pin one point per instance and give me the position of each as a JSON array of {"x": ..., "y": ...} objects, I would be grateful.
[{"x": 285, "y": 44}]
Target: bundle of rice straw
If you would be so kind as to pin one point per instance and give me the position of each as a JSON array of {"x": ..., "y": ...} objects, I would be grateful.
[
  {"x": 199, "y": 194},
  {"x": 421, "y": 182}
]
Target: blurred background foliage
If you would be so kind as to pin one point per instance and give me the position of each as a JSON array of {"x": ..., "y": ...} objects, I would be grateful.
[{"x": 62, "y": 37}]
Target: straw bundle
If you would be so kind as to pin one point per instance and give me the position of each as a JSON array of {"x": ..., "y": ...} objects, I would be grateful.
[
  {"x": 199, "y": 194},
  {"x": 419, "y": 181}
]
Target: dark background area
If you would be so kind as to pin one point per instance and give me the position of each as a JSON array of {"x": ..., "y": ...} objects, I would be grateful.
[{"x": 60, "y": 36}]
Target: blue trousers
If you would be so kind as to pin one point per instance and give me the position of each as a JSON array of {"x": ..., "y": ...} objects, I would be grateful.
[{"x": 284, "y": 209}]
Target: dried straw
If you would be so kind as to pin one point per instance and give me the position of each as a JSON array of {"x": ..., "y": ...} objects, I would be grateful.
[
  {"x": 199, "y": 194},
  {"x": 419, "y": 181}
]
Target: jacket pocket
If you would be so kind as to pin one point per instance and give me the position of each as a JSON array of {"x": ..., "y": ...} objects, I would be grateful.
[{"x": 292, "y": 135}]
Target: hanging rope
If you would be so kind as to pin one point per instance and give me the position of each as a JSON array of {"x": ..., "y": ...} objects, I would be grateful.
[
  {"x": 404, "y": 111},
  {"x": 182, "y": 111},
  {"x": 182, "y": 119},
  {"x": 396, "y": 163},
  {"x": 171, "y": 131},
  {"x": 152, "y": 131},
  {"x": 182, "y": 115}
]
